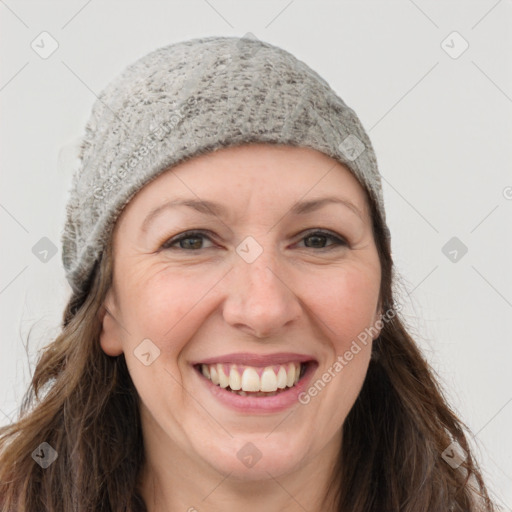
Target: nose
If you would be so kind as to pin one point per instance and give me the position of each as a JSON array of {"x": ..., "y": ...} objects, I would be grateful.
[{"x": 260, "y": 299}]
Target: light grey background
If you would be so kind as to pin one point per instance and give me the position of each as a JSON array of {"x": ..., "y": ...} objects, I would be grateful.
[{"x": 441, "y": 127}]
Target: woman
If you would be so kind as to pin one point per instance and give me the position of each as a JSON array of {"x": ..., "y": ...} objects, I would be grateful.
[{"x": 232, "y": 340}]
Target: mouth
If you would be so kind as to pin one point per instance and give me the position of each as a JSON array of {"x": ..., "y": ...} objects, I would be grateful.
[{"x": 255, "y": 381}]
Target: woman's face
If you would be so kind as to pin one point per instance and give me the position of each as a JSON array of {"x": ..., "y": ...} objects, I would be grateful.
[{"x": 257, "y": 293}]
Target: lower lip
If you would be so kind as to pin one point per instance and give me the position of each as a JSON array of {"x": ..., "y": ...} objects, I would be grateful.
[{"x": 248, "y": 404}]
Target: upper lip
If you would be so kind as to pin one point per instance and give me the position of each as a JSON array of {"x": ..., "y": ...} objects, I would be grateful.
[{"x": 249, "y": 359}]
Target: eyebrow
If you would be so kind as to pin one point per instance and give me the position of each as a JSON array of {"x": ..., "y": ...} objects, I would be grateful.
[{"x": 212, "y": 208}]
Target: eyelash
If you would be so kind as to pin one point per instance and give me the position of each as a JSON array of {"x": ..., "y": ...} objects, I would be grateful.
[{"x": 339, "y": 242}]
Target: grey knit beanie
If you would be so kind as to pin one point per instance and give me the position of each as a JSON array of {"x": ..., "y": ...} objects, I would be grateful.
[{"x": 191, "y": 98}]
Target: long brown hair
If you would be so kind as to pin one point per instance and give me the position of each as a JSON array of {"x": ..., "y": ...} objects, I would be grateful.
[{"x": 83, "y": 403}]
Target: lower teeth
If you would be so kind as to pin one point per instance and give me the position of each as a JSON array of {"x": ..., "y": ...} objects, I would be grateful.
[{"x": 257, "y": 393}]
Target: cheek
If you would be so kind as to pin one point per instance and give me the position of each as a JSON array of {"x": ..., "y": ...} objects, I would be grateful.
[
  {"x": 163, "y": 307},
  {"x": 346, "y": 304}
]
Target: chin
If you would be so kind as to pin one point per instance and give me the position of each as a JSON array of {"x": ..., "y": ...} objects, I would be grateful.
[{"x": 257, "y": 459}]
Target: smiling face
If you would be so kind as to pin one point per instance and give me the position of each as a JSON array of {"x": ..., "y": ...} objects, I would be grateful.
[{"x": 259, "y": 287}]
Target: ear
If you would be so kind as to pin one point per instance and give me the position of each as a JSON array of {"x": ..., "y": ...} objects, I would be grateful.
[{"x": 110, "y": 336}]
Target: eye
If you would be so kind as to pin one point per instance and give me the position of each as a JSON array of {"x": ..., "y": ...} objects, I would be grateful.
[
  {"x": 320, "y": 236},
  {"x": 192, "y": 240},
  {"x": 195, "y": 236}
]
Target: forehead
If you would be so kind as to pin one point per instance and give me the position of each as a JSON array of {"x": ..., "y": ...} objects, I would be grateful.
[{"x": 257, "y": 175}]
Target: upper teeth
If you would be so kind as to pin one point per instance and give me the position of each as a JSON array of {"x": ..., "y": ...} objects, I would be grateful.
[{"x": 250, "y": 378}]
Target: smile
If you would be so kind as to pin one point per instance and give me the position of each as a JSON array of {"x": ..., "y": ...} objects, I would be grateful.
[{"x": 254, "y": 381}]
